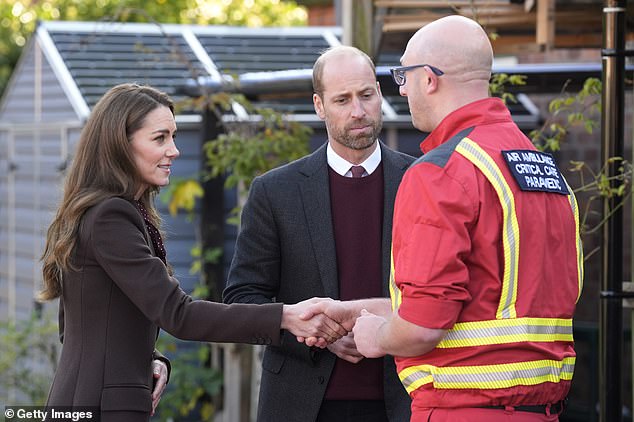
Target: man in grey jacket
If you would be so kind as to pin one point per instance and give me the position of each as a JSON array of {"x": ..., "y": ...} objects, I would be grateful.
[{"x": 321, "y": 226}]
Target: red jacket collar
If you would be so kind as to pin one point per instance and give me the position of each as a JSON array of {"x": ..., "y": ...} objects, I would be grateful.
[{"x": 487, "y": 110}]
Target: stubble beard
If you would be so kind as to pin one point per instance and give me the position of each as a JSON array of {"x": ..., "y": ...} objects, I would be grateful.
[{"x": 360, "y": 141}]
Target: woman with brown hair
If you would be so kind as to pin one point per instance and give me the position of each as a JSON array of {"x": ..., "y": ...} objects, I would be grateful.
[{"x": 105, "y": 260}]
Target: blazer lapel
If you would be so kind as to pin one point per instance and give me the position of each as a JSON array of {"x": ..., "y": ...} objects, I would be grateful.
[
  {"x": 394, "y": 166},
  {"x": 315, "y": 191}
]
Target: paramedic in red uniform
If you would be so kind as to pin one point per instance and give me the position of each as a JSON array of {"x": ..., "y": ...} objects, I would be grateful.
[{"x": 487, "y": 260}]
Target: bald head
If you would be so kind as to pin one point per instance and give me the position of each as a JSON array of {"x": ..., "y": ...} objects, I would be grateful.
[
  {"x": 335, "y": 55},
  {"x": 455, "y": 44},
  {"x": 460, "y": 48}
]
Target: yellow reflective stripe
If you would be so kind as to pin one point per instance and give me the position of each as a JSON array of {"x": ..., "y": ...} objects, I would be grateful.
[
  {"x": 414, "y": 377},
  {"x": 488, "y": 376},
  {"x": 504, "y": 331},
  {"x": 579, "y": 244},
  {"x": 510, "y": 227},
  {"x": 395, "y": 293}
]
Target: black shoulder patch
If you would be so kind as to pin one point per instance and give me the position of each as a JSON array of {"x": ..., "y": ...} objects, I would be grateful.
[
  {"x": 440, "y": 155},
  {"x": 535, "y": 171}
]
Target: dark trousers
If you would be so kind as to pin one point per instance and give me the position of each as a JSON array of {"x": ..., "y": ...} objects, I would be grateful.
[{"x": 352, "y": 411}]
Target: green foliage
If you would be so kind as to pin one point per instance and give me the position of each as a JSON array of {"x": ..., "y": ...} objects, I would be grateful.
[
  {"x": 201, "y": 257},
  {"x": 181, "y": 194},
  {"x": 193, "y": 385},
  {"x": 567, "y": 111},
  {"x": 18, "y": 17},
  {"x": 28, "y": 358},
  {"x": 598, "y": 186},
  {"x": 250, "y": 149},
  {"x": 613, "y": 180},
  {"x": 246, "y": 149},
  {"x": 499, "y": 82}
]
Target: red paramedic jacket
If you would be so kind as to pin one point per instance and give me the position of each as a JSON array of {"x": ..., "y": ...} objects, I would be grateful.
[{"x": 503, "y": 279}]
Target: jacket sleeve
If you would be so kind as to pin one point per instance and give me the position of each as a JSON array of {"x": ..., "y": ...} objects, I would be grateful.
[
  {"x": 429, "y": 244},
  {"x": 118, "y": 241}
]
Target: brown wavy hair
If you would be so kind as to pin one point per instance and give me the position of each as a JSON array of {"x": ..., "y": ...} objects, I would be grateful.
[{"x": 103, "y": 167}]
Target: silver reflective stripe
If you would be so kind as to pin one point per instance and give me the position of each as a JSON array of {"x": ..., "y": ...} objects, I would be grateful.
[
  {"x": 516, "y": 330},
  {"x": 510, "y": 227},
  {"x": 417, "y": 379},
  {"x": 489, "y": 376}
]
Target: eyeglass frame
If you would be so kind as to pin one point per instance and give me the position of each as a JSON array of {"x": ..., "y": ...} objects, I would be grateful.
[{"x": 403, "y": 69}]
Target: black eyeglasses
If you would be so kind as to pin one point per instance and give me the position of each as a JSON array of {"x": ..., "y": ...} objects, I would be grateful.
[{"x": 398, "y": 73}]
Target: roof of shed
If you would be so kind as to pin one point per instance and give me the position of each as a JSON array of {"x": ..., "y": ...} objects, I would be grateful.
[
  {"x": 99, "y": 55},
  {"x": 91, "y": 57}
]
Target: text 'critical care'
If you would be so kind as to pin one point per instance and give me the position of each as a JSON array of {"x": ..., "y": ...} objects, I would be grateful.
[{"x": 535, "y": 171}]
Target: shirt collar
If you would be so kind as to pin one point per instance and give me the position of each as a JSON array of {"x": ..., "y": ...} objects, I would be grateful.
[{"x": 341, "y": 166}]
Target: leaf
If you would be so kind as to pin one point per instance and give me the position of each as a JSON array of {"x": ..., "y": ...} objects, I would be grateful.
[
  {"x": 184, "y": 196},
  {"x": 577, "y": 165},
  {"x": 207, "y": 411},
  {"x": 213, "y": 255},
  {"x": 554, "y": 105}
]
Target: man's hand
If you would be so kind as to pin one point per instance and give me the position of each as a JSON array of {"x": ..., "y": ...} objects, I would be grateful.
[
  {"x": 346, "y": 349},
  {"x": 345, "y": 313},
  {"x": 159, "y": 372},
  {"x": 366, "y": 334},
  {"x": 319, "y": 326}
]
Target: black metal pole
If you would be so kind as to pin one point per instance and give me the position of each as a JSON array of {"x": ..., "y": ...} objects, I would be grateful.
[{"x": 612, "y": 133}]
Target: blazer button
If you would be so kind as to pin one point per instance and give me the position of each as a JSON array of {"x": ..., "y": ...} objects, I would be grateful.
[{"x": 321, "y": 379}]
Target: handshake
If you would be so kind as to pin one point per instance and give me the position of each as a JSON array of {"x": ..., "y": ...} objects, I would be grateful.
[{"x": 320, "y": 322}]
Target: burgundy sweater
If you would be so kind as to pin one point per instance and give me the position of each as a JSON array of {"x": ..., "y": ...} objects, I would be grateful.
[{"x": 357, "y": 215}]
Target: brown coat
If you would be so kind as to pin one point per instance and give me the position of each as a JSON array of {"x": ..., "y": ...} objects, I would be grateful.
[{"x": 112, "y": 306}]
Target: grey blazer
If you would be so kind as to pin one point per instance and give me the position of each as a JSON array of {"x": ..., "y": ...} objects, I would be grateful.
[
  {"x": 112, "y": 305},
  {"x": 285, "y": 252}
]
